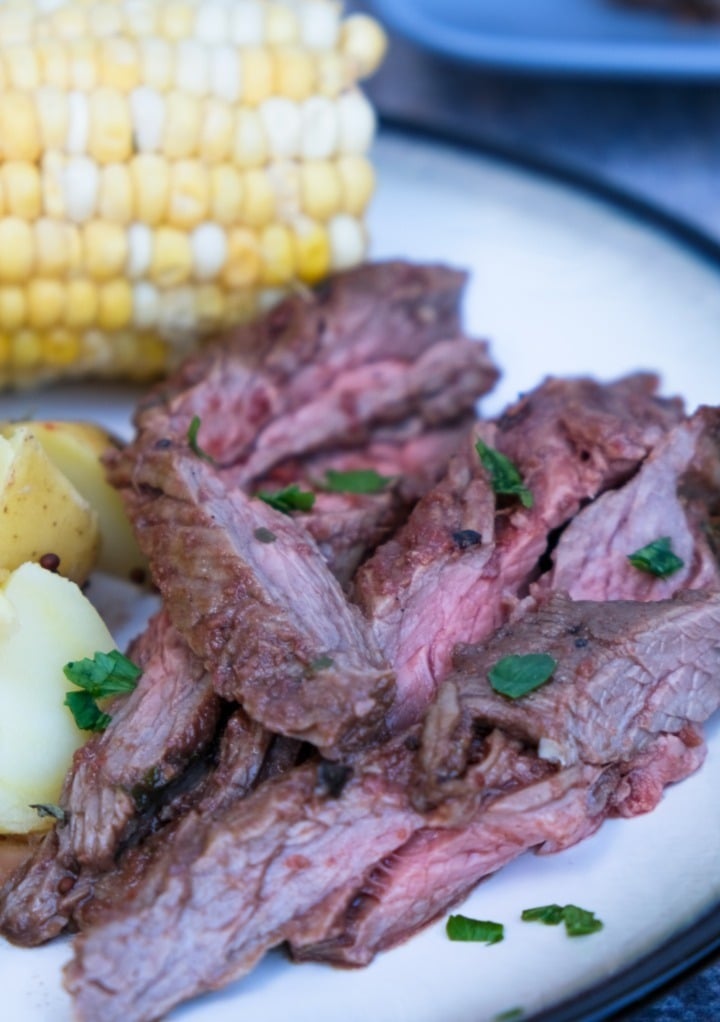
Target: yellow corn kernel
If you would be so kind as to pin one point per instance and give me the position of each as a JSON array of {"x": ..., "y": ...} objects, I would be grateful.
[
  {"x": 182, "y": 125},
  {"x": 83, "y": 64},
  {"x": 26, "y": 350},
  {"x": 294, "y": 73},
  {"x": 277, "y": 255},
  {"x": 157, "y": 63},
  {"x": 22, "y": 67},
  {"x": 3, "y": 74},
  {"x": 19, "y": 127},
  {"x": 171, "y": 261},
  {"x": 58, "y": 248},
  {"x": 115, "y": 198},
  {"x": 106, "y": 249},
  {"x": 97, "y": 352},
  {"x": 106, "y": 19},
  {"x": 258, "y": 199},
  {"x": 320, "y": 189},
  {"x": 226, "y": 194},
  {"x": 5, "y": 353},
  {"x": 209, "y": 307},
  {"x": 311, "y": 252},
  {"x": 119, "y": 64},
  {"x": 69, "y": 22},
  {"x": 258, "y": 80},
  {"x": 216, "y": 133},
  {"x": 150, "y": 177},
  {"x": 60, "y": 347},
  {"x": 189, "y": 194},
  {"x": 243, "y": 263},
  {"x": 54, "y": 67},
  {"x": 250, "y": 147},
  {"x": 114, "y": 305},
  {"x": 331, "y": 74},
  {"x": 176, "y": 20},
  {"x": 21, "y": 189},
  {"x": 53, "y": 185},
  {"x": 16, "y": 23},
  {"x": 53, "y": 117},
  {"x": 152, "y": 355},
  {"x": 281, "y": 25},
  {"x": 16, "y": 250},
  {"x": 363, "y": 43},
  {"x": 81, "y": 304},
  {"x": 45, "y": 303},
  {"x": 110, "y": 135},
  {"x": 13, "y": 307},
  {"x": 241, "y": 305},
  {"x": 357, "y": 182}
]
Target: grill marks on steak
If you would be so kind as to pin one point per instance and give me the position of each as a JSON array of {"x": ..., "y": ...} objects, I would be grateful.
[{"x": 428, "y": 588}]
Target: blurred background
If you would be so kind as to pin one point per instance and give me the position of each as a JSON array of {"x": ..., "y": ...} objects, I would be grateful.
[{"x": 622, "y": 96}]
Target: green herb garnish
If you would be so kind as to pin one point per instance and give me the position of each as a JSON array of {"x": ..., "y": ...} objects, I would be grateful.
[
  {"x": 509, "y": 1016},
  {"x": 192, "y": 435},
  {"x": 321, "y": 663},
  {"x": 264, "y": 535},
  {"x": 504, "y": 476},
  {"x": 514, "y": 676},
  {"x": 657, "y": 558},
  {"x": 105, "y": 674},
  {"x": 361, "y": 480},
  {"x": 292, "y": 498},
  {"x": 45, "y": 809},
  {"x": 481, "y": 930},
  {"x": 579, "y": 922}
]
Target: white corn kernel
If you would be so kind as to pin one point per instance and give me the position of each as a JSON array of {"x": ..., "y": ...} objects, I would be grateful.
[
  {"x": 146, "y": 305},
  {"x": 209, "y": 249},
  {"x": 248, "y": 23},
  {"x": 347, "y": 241},
  {"x": 212, "y": 22},
  {"x": 157, "y": 60},
  {"x": 281, "y": 120},
  {"x": 78, "y": 123},
  {"x": 226, "y": 73},
  {"x": 176, "y": 310},
  {"x": 318, "y": 128},
  {"x": 357, "y": 122},
  {"x": 139, "y": 250},
  {"x": 192, "y": 71},
  {"x": 319, "y": 25},
  {"x": 81, "y": 182},
  {"x": 147, "y": 112}
]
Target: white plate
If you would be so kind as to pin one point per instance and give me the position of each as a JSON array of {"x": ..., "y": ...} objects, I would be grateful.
[{"x": 561, "y": 284}]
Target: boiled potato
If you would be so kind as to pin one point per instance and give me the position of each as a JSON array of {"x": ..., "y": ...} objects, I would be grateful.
[
  {"x": 41, "y": 512},
  {"x": 76, "y": 449},
  {"x": 45, "y": 621}
]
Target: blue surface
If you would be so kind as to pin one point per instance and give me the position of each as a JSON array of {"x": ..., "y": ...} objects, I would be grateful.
[{"x": 595, "y": 37}]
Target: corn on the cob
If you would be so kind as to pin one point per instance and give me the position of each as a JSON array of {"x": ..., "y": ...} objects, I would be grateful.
[{"x": 168, "y": 169}]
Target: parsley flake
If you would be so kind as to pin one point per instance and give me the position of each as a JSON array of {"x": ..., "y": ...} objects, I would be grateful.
[
  {"x": 361, "y": 480},
  {"x": 264, "y": 535},
  {"x": 504, "y": 476},
  {"x": 291, "y": 498},
  {"x": 192, "y": 436},
  {"x": 657, "y": 558},
  {"x": 579, "y": 922},
  {"x": 483, "y": 931},
  {"x": 46, "y": 809},
  {"x": 515, "y": 676},
  {"x": 103, "y": 675}
]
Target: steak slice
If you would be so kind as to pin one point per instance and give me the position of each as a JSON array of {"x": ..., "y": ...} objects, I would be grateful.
[
  {"x": 674, "y": 495},
  {"x": 250, "y": 592},
  {"x": 452, "y": 573},
  {"x": 155, "y": 731}
]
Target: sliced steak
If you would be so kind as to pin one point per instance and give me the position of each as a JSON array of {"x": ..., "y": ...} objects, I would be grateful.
[{"x": 453, "y": 571}]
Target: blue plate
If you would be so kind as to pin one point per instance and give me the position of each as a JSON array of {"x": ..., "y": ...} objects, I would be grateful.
[{"x": 588, "y": 37}]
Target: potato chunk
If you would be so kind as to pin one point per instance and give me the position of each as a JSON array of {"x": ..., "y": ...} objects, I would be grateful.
[
  {"x": 45, "y": 621},
  {"x": 41, "y": 512}
]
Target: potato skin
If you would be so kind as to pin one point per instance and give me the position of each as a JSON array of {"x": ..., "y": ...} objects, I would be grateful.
[
  {"x": 41, "y": 511},
  {"x": 45, "y": 622}
]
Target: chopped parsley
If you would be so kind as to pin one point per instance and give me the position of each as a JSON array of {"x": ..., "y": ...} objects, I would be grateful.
[
  {"x": 579, "y": 922},
  {"x": 291, "y": 498},
  {"x": 657, "y": 558},
  {"x": 45, "y": 809},
  {"x": 361, "y": 480},
  {"x": 103, "y": 675},
  {"x": 514, "y": 676},
  {"x": 481, "y": 930},
  {"x": 504, "y": 476},
  {"x": 192, "y": 436}
]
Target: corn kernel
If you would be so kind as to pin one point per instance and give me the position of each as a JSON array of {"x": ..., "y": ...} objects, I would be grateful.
[
  {"x": 192, "y": 68},
  {"x": 115, "y": 199},
  {"x": 106, "y": 249},
  {"x": 357, "y": 181},
  {"x": 58, "y": 249},
  {"x": 281, "y": 25},
  {"x": 209, "y": 250},
  {"x": 226, "y": 194},
  {"x": 106, "y": 19},
  {"x": 319, "y": 128},
  {"x": 5, "y": 355},
  {"x": 53, "y": 185},
  {"x": 26, "y": 350},
  {"x": 226, "y": 73},
  {"x": 321, "y": 189},
  {"x": 277, "y": 255},
  {"x": 13, "y": 308},
  {"x": 151, "y": 185},
  {"x": 69, "y": 22},
  {"x": 247, "y": 23},
  {"x": 331, "y": 74},
  {"x": 189, "y": 194},
  {"x": 104, "y": 358},
  {"x": 147, "y": 115},
  {"x": 177, "y": 311},
  {"x": 16, "y": 23},
  {"x": 258, "y": 199},
  {"x": 241, "y": 304},
  {"x": 157, "y": 63},
  {"x": 119, "y": 64},
  {"x": 16, "y": 250},
  {"x": 211, "y": 23},
  {"x": 152, "y": 355},
  {"x": 110, "y": 134},
  {"x": 22, "y": 67},
  {"x": 80, "y": 182},
  {"x": 81, "y": 304},
  {"x": 294, "y": 73},
  {"x": 146, "y": 305},
  {"x": 257, "y": 76},
  {"x": 53, "y": 116},
  {"x": 216, "y": 133},
  {"x": 209, "y": 307},
  {"x": 19, "y": 127},
  {"x": 242, "y": 265},
  {"x": 182, "y": 125},
  {"x": 348, "y": 241},
  {"x": 141, "y": 18},
  {"x": 363, "y": 43},
  {"x": 78, "y": 123},
  {"x": 176, "y": 20},
  {"x": 114, "y": 305},
  {"x": 284, "y": 178},
  {"x": 356, "y": 119},
  {"x": 281, "y": 121},
  {"x": 250, "y": 147},
  {"x": 21, "y": 189},
  {"x": 171, "y": 262},
  {"x": 83, "y": 64},
  {"x": 45, "y": 303},
  {"x": 54, "y": 66},
  {"x": 312, "y": 252},
  {"x": 60, "y": 347}
]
